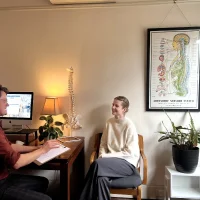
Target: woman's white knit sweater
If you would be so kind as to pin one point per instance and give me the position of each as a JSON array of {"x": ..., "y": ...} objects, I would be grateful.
[{"x": 120, "y": 139}]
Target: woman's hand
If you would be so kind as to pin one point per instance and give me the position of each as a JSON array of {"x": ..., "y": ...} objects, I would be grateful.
[{"x": 50, "y": 144}]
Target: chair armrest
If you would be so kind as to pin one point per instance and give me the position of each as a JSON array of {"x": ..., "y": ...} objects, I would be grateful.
[
  {"x": 93, "y": 156},
  {"x": 144, "y": 181}
]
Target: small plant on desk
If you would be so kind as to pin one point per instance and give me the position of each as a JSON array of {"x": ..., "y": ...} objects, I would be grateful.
[{"x": 50, "y": 129}]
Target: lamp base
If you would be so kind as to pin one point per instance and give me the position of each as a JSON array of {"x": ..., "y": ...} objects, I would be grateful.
[{"x": 68, "y": 131}]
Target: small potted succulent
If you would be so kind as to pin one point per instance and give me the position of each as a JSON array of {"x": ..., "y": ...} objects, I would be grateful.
[
  {"x": 184, "y": 149},
  {"x": 50, "y": 129}
]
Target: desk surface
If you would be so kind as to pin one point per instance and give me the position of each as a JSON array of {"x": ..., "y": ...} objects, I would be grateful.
[{"x": 23, "y": 131}]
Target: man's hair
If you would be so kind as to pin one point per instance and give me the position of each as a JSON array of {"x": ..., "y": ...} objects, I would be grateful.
[
  {"x": 125, "y": 101},
  {"x": 4, "y": 89}
]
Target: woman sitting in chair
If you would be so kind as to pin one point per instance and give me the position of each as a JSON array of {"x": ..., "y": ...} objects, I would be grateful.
[{"x": 118, "y": 154}]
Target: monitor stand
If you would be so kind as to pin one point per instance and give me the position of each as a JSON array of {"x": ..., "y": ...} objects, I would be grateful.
[
  {"x": 17, "y": 126},
  {"x": 10, "y": 124}
]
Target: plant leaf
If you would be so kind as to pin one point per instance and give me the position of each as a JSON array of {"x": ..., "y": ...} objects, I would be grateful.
[
  {"x": 57, "y": 123},
  {"x": 163, "y": 138},
  {"x": 41, "y": 129},
  {"x": 59, "y": 132},
  {"x": 162, "y": 132},
  {"x": 43, "y": 118},
  {"x": 49, "y": 119}
]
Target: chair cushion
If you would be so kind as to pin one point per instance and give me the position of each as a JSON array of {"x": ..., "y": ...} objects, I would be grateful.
[{"x": 132, "y": 181}]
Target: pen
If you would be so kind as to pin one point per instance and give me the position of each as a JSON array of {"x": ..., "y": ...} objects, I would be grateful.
[{"x": 62, "y": 145}]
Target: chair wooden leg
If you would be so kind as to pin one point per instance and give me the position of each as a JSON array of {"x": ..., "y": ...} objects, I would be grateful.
[{"x": 139, "y": 193}]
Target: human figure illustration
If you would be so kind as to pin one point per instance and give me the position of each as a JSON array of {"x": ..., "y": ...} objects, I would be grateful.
[{"x": 178, "y": 72}]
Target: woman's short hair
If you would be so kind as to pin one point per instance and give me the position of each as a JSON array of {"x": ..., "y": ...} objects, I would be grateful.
[
  {"x": 4, "y": 89},
  {"x": 124, "y": 100}
]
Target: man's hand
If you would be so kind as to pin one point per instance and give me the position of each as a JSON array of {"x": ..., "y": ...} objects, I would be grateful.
[
  {"x": 50, "y": 144},
  {"x": 27, "y": 158}
]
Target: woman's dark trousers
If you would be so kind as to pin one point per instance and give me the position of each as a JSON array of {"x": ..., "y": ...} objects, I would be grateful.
[{"x": 100, "y": 174}]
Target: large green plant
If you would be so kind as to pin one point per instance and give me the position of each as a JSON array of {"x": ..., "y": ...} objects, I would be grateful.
[
  {"x": 50, "y": 130},
  {"x": 181, "y": 137}
]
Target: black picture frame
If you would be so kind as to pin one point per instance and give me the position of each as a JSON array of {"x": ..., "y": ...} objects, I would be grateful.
[{"x": 172, "y": 82}]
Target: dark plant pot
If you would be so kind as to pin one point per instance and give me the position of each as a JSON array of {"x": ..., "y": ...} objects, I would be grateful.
[{"x": 185, "y": 161}]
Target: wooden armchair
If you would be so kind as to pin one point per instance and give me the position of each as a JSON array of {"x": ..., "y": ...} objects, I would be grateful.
[{"x": 135, "y": 192}]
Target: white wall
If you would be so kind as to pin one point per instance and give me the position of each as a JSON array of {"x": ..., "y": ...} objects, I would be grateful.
[{"x": 107, "y": 49}]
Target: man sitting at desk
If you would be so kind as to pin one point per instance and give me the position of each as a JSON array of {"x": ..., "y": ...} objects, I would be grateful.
[{"x": 16, "y": 186}]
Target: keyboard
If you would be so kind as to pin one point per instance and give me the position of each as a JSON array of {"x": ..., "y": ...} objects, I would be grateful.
[{"x": 13, "y": 130}]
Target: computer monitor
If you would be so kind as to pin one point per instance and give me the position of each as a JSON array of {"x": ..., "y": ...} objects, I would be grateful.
[{"x": 19, "y": 111}]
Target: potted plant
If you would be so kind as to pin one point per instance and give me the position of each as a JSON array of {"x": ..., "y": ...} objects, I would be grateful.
[
  {"x": 50, "y": 130},
  {"x": 184, "y": 149}
]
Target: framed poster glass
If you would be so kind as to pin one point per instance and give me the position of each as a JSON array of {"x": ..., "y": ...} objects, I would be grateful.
[{"x": 173, "y": 69}]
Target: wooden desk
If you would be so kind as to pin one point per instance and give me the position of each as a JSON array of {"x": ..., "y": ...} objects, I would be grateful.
[
  {"x": 24, "y": 132},
  {"x": 64, "y": 162}
]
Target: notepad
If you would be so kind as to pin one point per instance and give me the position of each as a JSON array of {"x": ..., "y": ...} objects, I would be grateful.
[{"x": 51, "y": 154}]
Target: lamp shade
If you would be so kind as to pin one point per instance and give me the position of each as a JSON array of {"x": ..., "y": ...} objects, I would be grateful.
[{"x": 51, "y": 106}]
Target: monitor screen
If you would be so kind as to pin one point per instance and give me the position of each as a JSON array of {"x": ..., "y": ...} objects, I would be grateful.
[{"x": 19, "y": 111}]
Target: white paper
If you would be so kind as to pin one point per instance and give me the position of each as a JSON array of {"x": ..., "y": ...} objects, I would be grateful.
[{"x": 52, "y": 154}]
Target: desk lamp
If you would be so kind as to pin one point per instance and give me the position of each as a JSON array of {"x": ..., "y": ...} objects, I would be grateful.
[
  {"x": 51, "y": 106},
  {"x": 49, "y": 129}
]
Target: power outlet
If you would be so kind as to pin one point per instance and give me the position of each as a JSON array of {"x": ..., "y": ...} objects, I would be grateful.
[{"x": 159, "y": 193}]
